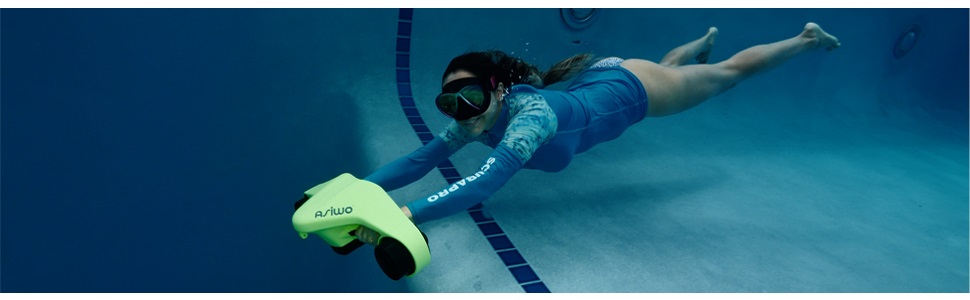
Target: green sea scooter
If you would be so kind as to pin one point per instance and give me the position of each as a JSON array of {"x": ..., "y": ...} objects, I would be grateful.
[{"x": 333, "y": 210}]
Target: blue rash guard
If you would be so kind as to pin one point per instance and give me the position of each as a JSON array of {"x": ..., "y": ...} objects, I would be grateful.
[{"x": 537, "y": 129}]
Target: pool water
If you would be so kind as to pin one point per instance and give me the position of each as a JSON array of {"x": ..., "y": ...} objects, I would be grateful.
[{"x": 162, "y": 150}]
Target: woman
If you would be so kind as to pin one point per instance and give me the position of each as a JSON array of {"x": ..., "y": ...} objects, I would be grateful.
[{"x": 498, "y": 100}]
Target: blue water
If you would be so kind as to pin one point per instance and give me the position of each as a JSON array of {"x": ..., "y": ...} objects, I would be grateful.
[{"x": 160, "y": 150}]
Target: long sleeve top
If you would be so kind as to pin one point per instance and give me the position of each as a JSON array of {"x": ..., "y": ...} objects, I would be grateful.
[{"x": 536, "y": 129}]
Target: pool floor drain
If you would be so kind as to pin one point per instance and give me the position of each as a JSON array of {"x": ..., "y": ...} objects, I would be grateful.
[
  {"x": 578, "y": 18},
  {"x": 906, "y": 41}
]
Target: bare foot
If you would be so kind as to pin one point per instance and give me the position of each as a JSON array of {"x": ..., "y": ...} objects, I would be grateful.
[
  {"x": 705, "y": 54},
  {"x": 813, "y": 31},
  {"x": 699, "y": 50}
]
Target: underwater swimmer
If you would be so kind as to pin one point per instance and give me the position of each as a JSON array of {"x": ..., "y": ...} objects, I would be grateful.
[{"x": 500, "y": 101}]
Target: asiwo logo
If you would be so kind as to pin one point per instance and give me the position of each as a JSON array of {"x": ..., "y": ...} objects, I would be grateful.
[{"x": 333, "y": 212}]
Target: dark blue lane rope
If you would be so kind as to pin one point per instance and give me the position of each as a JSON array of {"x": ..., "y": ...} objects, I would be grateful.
[{"x": 520, "y": 269}]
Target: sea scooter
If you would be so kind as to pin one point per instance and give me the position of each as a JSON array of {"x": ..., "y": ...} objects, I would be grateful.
[{"x": 333, "y": 210}]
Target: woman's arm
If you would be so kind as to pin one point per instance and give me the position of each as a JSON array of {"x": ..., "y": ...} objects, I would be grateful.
[
  {"x": 417, "y": 164},
  {"x": 534, "y": 124},
  {"x": 501, "y": 164}
]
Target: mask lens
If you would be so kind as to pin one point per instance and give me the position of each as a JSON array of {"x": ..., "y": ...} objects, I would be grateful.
[
  {"x": 470, "y": 96},
  {"x": 447, "y": 104},
  {"x": 474, "y": 95}
]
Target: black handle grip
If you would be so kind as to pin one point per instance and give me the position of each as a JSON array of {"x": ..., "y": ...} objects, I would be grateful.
[{"x": 299, "y": 203}]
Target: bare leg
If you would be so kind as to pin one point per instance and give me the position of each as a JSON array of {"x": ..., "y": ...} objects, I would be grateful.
[
  {"x": 764, "y": 57},
  {"x": 676, "y": 89},
  {"x": 699, "y": 50}
]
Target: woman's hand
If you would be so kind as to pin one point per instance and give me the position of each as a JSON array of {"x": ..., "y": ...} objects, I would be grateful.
[
  {"x": 369, "y": 236},
  {"x": 407, "y": 212}
]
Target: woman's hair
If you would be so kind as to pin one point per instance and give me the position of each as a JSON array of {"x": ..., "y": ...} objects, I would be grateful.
[{"x": 511, "y": 70}]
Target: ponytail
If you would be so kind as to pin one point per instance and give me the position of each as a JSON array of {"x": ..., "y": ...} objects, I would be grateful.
[{"x": 567, "y": 68}]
